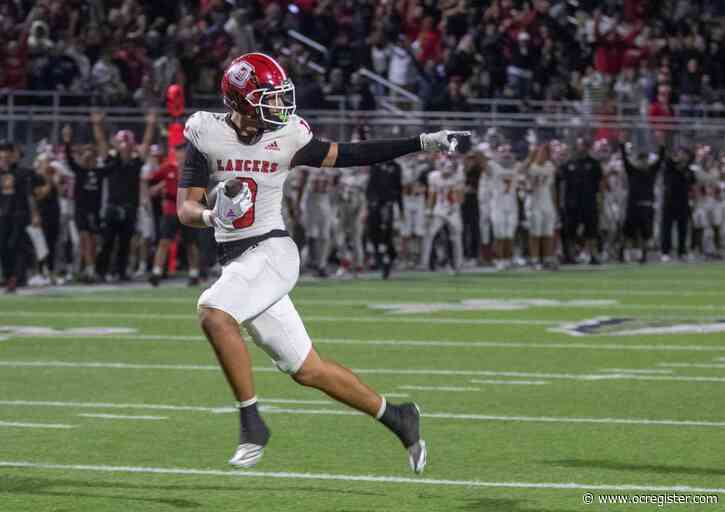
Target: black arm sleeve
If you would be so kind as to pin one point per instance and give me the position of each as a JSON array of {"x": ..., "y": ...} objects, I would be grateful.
[
  {"x": 352, "y": 154},
  {"x": 311, "y": 154},
  {"x": 196, "y": 170}
]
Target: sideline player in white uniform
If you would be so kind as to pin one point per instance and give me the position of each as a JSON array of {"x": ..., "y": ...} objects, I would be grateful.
[
  {"x": 351, "y": 215},
  {"x": 412, "y": 225},
  {"x": 317, "y": 213},
  {"x": 708, "y": 213},
  {"x": 485, "y": 197},
  {"x": 542, "y": 221},
  {"x": 445, "y": 195},
  {"x": 614, "y": 198},
  {"x": 504, "y": 204},
  {"x": 257, "y": 144}
]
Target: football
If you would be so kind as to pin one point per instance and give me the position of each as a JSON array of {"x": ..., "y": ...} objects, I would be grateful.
[{"x": 232, "y": 187}]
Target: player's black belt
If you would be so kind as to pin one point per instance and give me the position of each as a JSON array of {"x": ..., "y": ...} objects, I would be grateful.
[{"x": 228, "y": 251}]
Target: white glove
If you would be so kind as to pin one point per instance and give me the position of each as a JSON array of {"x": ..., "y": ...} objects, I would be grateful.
[
  {"x": 439, "y": 141},
  {"x": 228, "y": 209}
]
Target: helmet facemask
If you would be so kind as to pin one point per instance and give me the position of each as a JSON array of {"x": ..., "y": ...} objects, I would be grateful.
[{"x": 274, "y": 105}]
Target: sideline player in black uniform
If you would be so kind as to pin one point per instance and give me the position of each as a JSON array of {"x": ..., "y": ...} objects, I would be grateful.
[
  {"x": 17, "y": 210},
  {"x": 123, "y": 172},
  {"x": 385, "y": 189},
  {"x": 641, "y": 177},
  {"x": 678, "y": 178},
  {"x": 87, "y": 194},
  {"x": 581, "y": 176}
]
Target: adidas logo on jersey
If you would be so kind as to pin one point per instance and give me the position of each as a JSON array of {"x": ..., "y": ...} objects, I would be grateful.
[{"x": 272, "y": 146}]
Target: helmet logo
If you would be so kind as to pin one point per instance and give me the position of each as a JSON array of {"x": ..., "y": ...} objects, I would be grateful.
[{"x": 239, "y": 74}]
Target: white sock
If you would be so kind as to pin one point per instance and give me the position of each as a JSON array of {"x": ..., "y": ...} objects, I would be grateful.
[
  {"x": 247, "y": 403},
  {"x": 381, "y": 411},
  {"x": 157, "y": 270},
  {"x": 194, "y": 272}
]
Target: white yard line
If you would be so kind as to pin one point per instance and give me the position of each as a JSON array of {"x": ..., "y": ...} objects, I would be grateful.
[
  {"x": 364, "y": 478},
  {"x": 511, "y": 382},
  {"x": 20, "y": 424},
  {"x": 627, "y": 370},
  {"x": 369, "y": 371},
  {"x": 193, "y": 408},
  {"x": 691, "y": 365},
  {"x": 429, "y": 343},
  {"x": 439, "y": 388},
  {"x": 347, "y": 412},
  {"x": 532, "y": 293},
  {"x": 123, "y": 417},
  {"x": 307, "y": 318}
]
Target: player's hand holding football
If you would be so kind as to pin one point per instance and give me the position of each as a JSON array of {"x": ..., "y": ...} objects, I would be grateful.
[
  {"x": 444, "y": 140},
  {"x": 228, "y": 209}
]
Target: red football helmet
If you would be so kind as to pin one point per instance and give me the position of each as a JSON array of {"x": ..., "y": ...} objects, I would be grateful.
[{"x": 255, "y": 84}]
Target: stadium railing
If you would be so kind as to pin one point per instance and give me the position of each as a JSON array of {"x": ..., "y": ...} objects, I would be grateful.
[{"x": 30, "y": 116}]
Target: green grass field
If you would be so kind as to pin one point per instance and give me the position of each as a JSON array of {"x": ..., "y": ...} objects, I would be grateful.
[{"x": 518, "y": 416}]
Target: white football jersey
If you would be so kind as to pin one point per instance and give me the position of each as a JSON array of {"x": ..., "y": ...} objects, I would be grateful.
[
  {"x": 262, "y": 166},
  {"x": 542, "y": 185},
  {"x": 320, "y": 185},
  {"x": 353, "y": 182},
  {"x": 709, "y": 182},
  {"x": 448, "y": 190},
  {"x": 503, "y": 186}
]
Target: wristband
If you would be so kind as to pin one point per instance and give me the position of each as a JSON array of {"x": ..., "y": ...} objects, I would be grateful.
[{"x": 207, "y": 217}]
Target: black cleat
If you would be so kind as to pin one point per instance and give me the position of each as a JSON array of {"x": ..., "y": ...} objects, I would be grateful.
[
  {"x": 386, "y": 270},
  {"x": 253, "y": 437},
  {"x": 154, "y": 280},
  {"x": 193, "y": 281},
  {"x": 410, "y": 437}
]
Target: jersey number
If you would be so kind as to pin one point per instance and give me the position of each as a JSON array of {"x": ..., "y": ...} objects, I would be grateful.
[{"x": 247, "y": 219}]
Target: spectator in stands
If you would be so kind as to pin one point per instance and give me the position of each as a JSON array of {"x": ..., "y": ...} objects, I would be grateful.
[
  {"x": 452, "y": 99},
  {"x": 342, "y": 56},
  {"x": 107, "y": 81},
  {"x": 522, "y": 63},
  {"x": 401, "y": 71}
]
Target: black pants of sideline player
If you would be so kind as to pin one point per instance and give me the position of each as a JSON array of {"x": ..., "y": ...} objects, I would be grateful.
[
  {"x": 380, "y": 230},
  {"x": 576, "y": 215},
  {"x": 14, "y": 247},
  {"x": 120, "y": 225},
  {"x": 671, "y": 214}
]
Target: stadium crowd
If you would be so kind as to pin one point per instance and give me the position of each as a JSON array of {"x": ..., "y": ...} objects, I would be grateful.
[
  {"x": 125, "y": 52},
  {"x": 107, "y": 210}
]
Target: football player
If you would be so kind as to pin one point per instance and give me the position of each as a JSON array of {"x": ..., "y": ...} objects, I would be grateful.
[
  {"x": 145, "y": 232},
  {"x": 164, "y": 182},
  {"x": 708, "y": 212},
  {"x": 504, "y": 204},
  {"x": 257, "y": 143},
  {"x": 542, "y": 221},
  {"x": 614, "y": 199},
  {"x": 87, "y": 195},
  {"x": 412, "y": 222},
  {"x": 351, "y": 213},
  {"x": 445, "y": 195},
  {"x": 316, "y": 209}
]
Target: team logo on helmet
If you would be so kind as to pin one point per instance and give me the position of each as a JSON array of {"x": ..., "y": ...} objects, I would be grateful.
[{"x": 240, "y": 73}]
